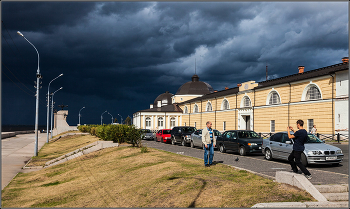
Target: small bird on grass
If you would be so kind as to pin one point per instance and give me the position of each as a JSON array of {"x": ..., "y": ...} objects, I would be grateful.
[{"x": 237, "y": 159}]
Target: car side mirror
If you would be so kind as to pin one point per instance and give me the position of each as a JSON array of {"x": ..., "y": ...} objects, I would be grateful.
[{"x": 288, "y": 142}]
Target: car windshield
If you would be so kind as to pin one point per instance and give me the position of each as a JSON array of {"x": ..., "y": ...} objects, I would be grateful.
[
  {"x": 248, "y": 135},
  {"x": 189, "y": 129},
  {"x": 313, "y": 139},
  {"x": 166, "y": 131},
  {"x": 217, "y": 133},
  {"x": 146, "y": 131}
]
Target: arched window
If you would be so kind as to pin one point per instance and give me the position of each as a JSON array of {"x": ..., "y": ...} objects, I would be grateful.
[
  {"x": 185, "y": 110},
  {"x": 274, "y": 98},
  {"x": 313, "y": 93},
  {"x": 195, "y": 108},
  {"x": 160, "y": 122},
  {"x": 225, "y": 105},
  {"x": 209, "y": 107},
  {"x": 246, "y": 102},
  {"x": 172, "y": 122},
  {"x": 148, "y": 122}
]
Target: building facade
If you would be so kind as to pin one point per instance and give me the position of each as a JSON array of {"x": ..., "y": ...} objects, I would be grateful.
[{"x": 317, "y": 97}]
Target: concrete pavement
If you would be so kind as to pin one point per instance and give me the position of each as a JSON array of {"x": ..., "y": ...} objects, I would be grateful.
[{"x": 15, "y": 153}]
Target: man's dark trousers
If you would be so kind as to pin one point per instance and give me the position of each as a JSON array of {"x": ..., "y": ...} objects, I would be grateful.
[{"x": 297, "y": 156}]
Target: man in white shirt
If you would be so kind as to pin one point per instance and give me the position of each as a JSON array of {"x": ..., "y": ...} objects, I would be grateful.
[{"x": 209, "y": 142}]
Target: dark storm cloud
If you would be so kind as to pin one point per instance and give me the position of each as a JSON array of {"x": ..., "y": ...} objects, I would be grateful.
[{"x": 122, "y": 55}]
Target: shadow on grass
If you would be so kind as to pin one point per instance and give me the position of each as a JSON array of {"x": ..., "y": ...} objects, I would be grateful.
[{"x": 193, "y": 204}]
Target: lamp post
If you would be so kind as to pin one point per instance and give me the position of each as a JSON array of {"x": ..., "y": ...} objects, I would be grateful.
[
  {"x": 79, "y": 114},
  {"x": 38, "y": 76},
  {"x": 102, "y": 117},
  {"x": 48, "y": 107},
  {"x": 121, "y": 122},
  {"x": 52, "y": 108},
  {"x": 110, "y": 115}
]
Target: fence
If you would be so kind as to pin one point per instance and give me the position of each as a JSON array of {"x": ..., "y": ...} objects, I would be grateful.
[{"x": 338, "y": 136}]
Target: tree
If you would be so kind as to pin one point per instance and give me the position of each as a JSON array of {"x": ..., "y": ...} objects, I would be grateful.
[{"x": 127, "y": 121}]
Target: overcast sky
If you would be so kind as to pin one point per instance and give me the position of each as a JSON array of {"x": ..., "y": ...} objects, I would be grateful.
[{"x": 119, "y": 56}]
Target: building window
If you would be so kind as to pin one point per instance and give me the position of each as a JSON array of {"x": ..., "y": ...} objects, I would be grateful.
[
  {"x": 185, "y": 123},
  {"x": 310, "y": 124},
  {"x": 148, "y": 122},
  {"x": 274, "y": 98},
  {"x": 247, "y": 102},
  {"x": 209, "y": 107},
  {"x": 172, "y": 122},
  {"x": 272, "y": 126},
  {"x": 195, "y": 124},
  {"x": 225, "y": 105},
  {"x": 313, "y": 93},
  {"x": 195, "y": 108},
  {"x": 160, "y": 122},
  {"x": 185, "y": 110},
  {"x": 224, "y": 126},
  {"x": 181, "y": 99}
]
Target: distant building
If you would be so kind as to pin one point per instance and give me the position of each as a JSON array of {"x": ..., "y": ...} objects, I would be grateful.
[{"x": 317, "y": 96}]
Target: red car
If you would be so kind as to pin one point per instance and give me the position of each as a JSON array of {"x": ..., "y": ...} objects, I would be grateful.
[{"x": 163, "y": 135}]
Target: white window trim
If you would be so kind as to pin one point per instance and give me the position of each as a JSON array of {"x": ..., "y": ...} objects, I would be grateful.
[
  {"x": 270, "y": 94},
  {"x": 303, "y": 96},
  {"x": 186, "y": 110},
  {"x": 222, "y": 104},
  {"x": 206, "y": 108},
  {"x": 242, "y": 101},
  {"x": 194, "y": 107}
]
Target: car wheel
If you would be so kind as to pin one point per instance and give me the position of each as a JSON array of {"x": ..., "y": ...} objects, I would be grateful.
[
  {"x": 192, "y": 145},
  {"x": 303, "y": 159},
  {"x": 172, "y": 141},
  {"x": 222, "y": 148},
  {"x": 242, "y": 151},
  {"x": 268, "y": 154}
]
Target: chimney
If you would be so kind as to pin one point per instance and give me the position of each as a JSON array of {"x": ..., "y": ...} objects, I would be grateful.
[
  {"x": 301, "y": 69},
  {"x": 239, "y": 84},
  {"x": 150, "y": 106},
  {"x": 159, "y": 103},
  {"x": 215, "y": 90},
  {"x": 226, "y": 87},
  {"x": 345, "y": 60}
]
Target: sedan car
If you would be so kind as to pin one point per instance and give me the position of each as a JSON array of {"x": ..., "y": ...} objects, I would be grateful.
[
  {"x": 242, "y": 141},
  {"x": 147, "y": 134},
  {"x": 196, "y": 137},
  {"x": 163, "y": 135},
  {"x": 279, "y": 146}
]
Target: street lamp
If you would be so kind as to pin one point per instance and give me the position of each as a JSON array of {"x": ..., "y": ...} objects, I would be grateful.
[
  {"x": 52, "y": 107},
  {"x": 79, "y": 114},
  {"x": 38, "y": 76},
  {"x": 110, "y": 115},
  {"x": 48, "y": 108},
  {"x": 102, "y": 117},
  {"x": 121, "y": 122}
]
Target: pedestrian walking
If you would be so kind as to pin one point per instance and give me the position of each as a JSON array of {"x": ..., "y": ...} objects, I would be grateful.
[
  {"x": 299, "y": 138},
  {"x": 209, "y": 142},
  {"x": 313, "y": 130}
]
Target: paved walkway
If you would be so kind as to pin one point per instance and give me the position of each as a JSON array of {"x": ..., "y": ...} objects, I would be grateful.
[{"x": 15, "y": 153}]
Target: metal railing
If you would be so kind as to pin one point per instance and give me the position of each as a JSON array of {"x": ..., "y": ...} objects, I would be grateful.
[{"x": 338, "y": 136}]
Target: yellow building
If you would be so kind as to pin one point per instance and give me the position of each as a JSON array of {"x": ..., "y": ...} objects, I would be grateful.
[{"x": 317, "y": 97}]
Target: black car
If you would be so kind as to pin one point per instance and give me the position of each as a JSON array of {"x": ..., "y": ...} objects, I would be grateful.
[
  {"x": 182, "y": 134},
  {"x": 242, "y": 141}
]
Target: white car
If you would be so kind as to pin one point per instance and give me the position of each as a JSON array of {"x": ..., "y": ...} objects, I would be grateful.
[
  {"x": 279, "y": 146},
  {"x": 196, "y": 138}
]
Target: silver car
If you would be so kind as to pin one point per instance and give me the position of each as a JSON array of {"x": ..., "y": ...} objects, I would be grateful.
[
  {"x": 279, "y": 146},
  {"x": 196, "y": 138},
  {"x": 147, "y": 134}
]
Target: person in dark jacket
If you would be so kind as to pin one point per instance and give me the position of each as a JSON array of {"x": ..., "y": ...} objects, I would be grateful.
[{"x": 299, "y": 138}]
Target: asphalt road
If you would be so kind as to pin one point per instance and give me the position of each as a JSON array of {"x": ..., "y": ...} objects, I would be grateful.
[{"x": 322, "y": 174}]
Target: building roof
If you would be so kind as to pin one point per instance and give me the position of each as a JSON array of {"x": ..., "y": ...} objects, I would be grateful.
[
  {"x": 195, "y": 87},
  {"x": 165, "y": 108},
  {"x": 283, "y": 80},
  {"x": 165, "y": 98}
]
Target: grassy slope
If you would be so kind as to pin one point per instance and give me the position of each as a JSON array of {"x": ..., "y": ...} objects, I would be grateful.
[{"x": 125, "y": 177}]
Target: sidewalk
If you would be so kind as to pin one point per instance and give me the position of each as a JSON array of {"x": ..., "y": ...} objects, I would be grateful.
[{"x": 15, "y": 153}]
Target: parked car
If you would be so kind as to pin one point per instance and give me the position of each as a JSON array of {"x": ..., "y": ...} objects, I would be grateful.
[
  {"x": 279, "y": 146},
  {"x": 147, "y": 134},
  {"x": 196, "y": 138},
  {"x": 242, "y": 141},
  {"x": 182, "y": 134},
  {"x": 163, "y": 135}
]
